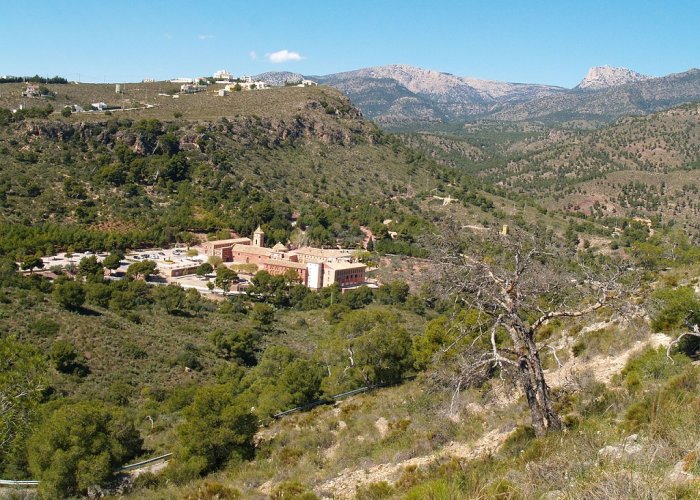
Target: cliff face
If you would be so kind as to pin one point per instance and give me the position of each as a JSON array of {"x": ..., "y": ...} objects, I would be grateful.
[
  {"x": 400, "y": 94},
  {"x": 327, "y": 125},
  {"x": 601, "y": 77}
]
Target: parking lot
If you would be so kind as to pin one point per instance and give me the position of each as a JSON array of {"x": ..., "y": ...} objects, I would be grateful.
[{"x": 165, "y": 258}]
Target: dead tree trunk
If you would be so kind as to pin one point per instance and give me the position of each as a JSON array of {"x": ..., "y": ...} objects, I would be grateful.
[
  {"x": 544, "y": 417},
  {"x": 509, "y": 287},
  {"x": 531, "y": 377}
]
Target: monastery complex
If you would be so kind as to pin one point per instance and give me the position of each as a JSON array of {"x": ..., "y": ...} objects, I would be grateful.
[{"x": 316, "y": 267}]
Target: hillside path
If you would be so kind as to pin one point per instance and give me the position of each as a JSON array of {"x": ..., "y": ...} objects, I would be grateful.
[{"x": 344, "y": 485}]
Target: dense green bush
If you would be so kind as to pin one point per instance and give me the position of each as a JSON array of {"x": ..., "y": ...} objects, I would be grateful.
[
  {"x": 66, "y": 359},
  {"x": 665, "y": 412},
  {"x": 69, "y": 294},
  {"x": 675, "y": 308},
  {"x": 218, "y": 427},
  {"x": 80, "y": 445},
  {"x": 240, "y": 345},
  {"x": 282, "y": 380},
  {"x": 45, "y": 327},
  {"x": 23, "y": 378}
]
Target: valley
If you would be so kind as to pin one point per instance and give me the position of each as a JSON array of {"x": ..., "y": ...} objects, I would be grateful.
[{"x": 523, "y": 280}]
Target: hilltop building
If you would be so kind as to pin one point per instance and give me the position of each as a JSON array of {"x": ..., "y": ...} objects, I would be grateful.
[
  {"x": 31, "y": 91},
  {"x": 316, "y": 267},
  {"x": 247, "y": 83},
  {"x": 223, "y": 76},
  {"x": 258, "y": 237},
  {"x": 189, "y": 88},
  {"x": 222, "y": 248}
]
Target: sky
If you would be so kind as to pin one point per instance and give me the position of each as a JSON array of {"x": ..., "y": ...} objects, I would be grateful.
[{"x": 552, "y": 42}]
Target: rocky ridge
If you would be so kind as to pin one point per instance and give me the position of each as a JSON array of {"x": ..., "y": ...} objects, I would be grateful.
[
  {"x": 602, "y": 77},
  {"x": 403, "y": 94},
  {"x": 279, "y": 78}
]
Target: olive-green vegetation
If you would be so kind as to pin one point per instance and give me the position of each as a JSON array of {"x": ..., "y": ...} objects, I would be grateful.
[
  {"x": 95, "y": 372},
  {"x": 644, "y": 165},
  {"x": 80, "y": 445},
  {"x": 206, "y": 373},
  {"x": 104, "y": 183}
]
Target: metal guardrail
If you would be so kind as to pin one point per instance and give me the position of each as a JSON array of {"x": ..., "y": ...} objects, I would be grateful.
[
  {"x": 320, "y": 402},
  {"x": 138, "y": 465},
  {"x": 7, "y": 482},
  {"x": 134, "y": 466}
]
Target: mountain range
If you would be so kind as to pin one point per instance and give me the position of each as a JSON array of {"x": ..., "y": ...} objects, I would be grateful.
[{"x": 402, "y": 94}]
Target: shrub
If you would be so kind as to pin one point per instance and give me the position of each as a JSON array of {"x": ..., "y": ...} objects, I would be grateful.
[
  {"x": 45, "y": 327},
  {"x": 263, "y": 314},
  {"x": 66, "y": 359},
  {"x": 213, "y": 491},
  {"x": 240, "y": 345},
  {"x": 335, "y": 313},
  {"x": 675, "y": 308},
  {"x": 437, "y": 489},
  {"x": 98, "y": 294},
  {"x": 217, "y": 428},
  {"x": 188, "y": 358},
  {"x": 578, "y": 348},
  {"x": 80, "y": 445},
  {"x": 22, "y": 371},
  {"x": 292, "y": 490},
  {"x": 651, "y": 365},
  {"x": 669, "y": 413},
  {"x": 70, "y": 295},
  {"x": 375, "y": 491}
]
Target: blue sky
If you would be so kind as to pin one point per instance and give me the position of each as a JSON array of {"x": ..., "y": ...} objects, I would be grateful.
[{"x": 552, "y": 42}]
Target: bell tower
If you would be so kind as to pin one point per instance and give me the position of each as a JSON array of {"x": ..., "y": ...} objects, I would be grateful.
[{"x": 258, "y": 237}]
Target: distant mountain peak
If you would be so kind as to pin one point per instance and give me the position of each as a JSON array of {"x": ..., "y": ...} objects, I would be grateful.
[
  {"x": 279, "y": 78},
  {"x": 603, "y": 77}
]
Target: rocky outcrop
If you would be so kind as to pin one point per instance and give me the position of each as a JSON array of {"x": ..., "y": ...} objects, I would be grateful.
[
  {"x": 602, "y": 77},
  {"x": 626, "y": 448},
  {"x": 403, "y": 93},
  {"x": 400, "y": 93}
]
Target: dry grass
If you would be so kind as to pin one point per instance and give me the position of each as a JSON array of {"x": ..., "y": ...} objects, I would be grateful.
[{"x": 279, "y": 103}]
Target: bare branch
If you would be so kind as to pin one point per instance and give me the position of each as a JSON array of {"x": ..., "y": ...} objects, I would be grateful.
[
  {"x": 694, "y": 333},
  {"x": 554, "y": 353},
  {"x": 567, "y": 314}
]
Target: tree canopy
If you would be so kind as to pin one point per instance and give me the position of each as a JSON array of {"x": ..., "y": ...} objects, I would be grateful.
[{"x": 80, "y": 445}]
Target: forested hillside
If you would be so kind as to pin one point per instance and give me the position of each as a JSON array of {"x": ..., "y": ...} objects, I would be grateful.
[
  {"x": 645, "y": 166},
  {"x": 490, "y": 355},
  {"x": 97, "y": 180}
]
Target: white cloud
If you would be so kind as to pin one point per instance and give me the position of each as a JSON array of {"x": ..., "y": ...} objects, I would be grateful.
[
  {"x": 168, "y": 36},
  {"x": 253, "y": 55},
  {"x": 282, "y": 56},
  {"x": 205, "y": 37}
]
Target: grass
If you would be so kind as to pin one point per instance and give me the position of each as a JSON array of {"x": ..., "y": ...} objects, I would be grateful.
[
  {"x": 312, "y": 447},
  {"x": 303, "y": 451},
  {"x": 279, "y": 103}
]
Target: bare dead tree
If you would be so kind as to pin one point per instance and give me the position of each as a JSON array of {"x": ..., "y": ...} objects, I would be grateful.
[
  {"x": 521, "y": 284},
  {"x": 693, "y": 332}
]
